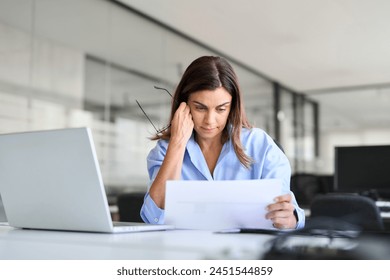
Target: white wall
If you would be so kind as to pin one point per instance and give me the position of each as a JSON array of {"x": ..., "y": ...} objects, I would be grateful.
[
  {"x": 330, "y": 139},
  {"x": 41, "y": 64},
  {"x": 42, "y": 87}
]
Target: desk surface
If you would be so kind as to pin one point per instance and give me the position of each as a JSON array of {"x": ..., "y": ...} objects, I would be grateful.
[{"x": 175, "y": 244}]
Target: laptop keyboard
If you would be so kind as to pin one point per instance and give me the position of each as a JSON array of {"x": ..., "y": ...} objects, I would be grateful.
[{"x": 122, "y": 224}]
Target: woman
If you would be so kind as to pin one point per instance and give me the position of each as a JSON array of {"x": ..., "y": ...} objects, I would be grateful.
[{"x": 210, "y": 138}]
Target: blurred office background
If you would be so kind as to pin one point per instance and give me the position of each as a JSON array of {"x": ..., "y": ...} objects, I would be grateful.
[{"x": 315, "y": 74}]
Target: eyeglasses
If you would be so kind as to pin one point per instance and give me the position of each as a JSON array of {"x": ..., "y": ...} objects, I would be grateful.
[
  {"x": 158, "y": 131},
  {"x": 164, "y": 89}
]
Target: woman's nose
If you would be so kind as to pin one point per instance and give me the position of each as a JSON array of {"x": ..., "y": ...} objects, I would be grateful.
[{"x": 209, "y": 117}]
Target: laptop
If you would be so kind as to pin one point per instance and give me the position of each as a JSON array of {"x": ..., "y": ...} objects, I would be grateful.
[
  {"x": 220, "y": 205},
  {"x": 51, "y": 180}
]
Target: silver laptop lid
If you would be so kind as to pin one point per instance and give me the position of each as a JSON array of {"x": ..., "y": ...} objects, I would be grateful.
[{"x": 51, "y": 180}]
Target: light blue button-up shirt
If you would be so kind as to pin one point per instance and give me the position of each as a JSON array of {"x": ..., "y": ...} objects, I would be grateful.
[{"x": 269, "y": 162}]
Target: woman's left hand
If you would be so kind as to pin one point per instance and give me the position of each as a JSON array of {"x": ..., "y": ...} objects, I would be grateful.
[{"x": 281, "y": 213}]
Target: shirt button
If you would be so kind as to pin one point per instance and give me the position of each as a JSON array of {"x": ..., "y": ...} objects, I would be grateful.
[{"x": 156, "y": 220}]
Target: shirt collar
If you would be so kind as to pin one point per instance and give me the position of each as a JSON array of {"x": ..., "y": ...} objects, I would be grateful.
[{"x": 196, "y": 156}]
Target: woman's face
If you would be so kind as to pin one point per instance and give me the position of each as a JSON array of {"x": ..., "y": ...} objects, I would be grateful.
[{"x": 210, "y": 110}]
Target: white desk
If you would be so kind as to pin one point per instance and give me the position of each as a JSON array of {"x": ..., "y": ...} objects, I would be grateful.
[{"x": 16, "y": 244}]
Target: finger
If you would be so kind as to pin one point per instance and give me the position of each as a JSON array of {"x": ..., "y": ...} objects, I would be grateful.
[
  {"x": 187, "y": 110},
  {"x": 181, "y": 111},
  {"x": 279, "y": 214},
  {"x": 278, "y": 206},
  {"x": 279, "y": 225},
  {"x": 284, "y": 223},
  {"x": 284, "y": 197},
  {"x": 181, "y": 107}
]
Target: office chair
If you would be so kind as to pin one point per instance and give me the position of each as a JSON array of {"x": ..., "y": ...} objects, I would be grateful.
[
  {"x": 129, "y": 206},
  {"x": 352, "y": 209},
  {"x": 303, "y": 244},
  {"x": 326, "y": 183},
  {"x": 305, "y": 187}
]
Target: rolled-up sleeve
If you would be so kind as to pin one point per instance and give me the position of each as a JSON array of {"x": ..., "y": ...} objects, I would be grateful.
[
  {"x": 272, "y": 162},
  {"x": 278, "y": 166},
  {"x": 300, "y": 213},
  {"x": 150, "y": 212}
]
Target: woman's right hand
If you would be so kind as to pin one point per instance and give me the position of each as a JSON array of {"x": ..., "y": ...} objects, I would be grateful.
[
  {"x": 181, "y": 125},
  {"x": 181, "y": 131}
]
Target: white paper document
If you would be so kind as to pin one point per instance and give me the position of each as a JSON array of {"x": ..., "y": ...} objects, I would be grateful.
[{"x": 218, "y": 205}]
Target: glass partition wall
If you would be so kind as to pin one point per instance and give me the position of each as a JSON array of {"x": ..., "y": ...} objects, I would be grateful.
[{"x": 71, "y": 63}]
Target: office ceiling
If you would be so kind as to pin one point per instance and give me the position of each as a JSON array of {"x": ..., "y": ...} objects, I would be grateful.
[
  {"x": 309, "y": 46},
  {"x": 306, "y": 44},
  {"x": 336, "y": 51}
]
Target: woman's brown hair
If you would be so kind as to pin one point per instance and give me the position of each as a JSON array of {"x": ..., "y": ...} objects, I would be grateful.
[{"x": 210, "y": 73}]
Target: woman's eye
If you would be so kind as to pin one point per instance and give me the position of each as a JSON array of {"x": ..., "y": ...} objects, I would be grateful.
[
  {"x": 200, "y": 108},
  {"x": 221, "y": 109}
]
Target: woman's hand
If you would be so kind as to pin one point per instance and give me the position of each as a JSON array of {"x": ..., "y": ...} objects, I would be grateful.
[
  {"x": 281, "y": 213},
  {"x": 181, "y": 125},
  {"x": 181, "y": 131}
]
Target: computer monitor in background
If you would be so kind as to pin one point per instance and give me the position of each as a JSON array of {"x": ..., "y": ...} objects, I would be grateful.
[{"x": 363, "y": 169}]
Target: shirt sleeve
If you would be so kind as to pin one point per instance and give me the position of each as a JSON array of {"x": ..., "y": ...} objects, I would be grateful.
[
  {"x": 150, "y": 212},
  {"x": 277, "y": 165},
  {"x": 283, "y": 170},
  {"x": 300, "y": 213}
]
